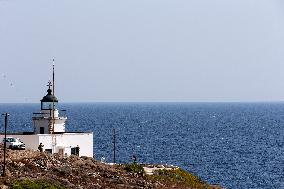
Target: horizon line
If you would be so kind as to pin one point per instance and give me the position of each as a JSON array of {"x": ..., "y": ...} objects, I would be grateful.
[{"x": 90, "y": 102}]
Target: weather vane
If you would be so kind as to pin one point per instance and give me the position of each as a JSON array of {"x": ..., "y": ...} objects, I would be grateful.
[{"x": 49, "y": 84}]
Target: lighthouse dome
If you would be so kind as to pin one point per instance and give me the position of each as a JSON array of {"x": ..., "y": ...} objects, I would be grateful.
[{"x": 49, "y": 97}]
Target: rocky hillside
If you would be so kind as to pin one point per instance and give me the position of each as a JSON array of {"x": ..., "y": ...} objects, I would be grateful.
[{"x": 30, "y": 169}]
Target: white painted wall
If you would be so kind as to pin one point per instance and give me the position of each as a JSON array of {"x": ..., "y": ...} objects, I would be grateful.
[
  {"x": 43, "y": 120},
  {"x": 64, "y": 141},
  {"x": 59, "y": 124},
  {"x": 67, "y": 141}
]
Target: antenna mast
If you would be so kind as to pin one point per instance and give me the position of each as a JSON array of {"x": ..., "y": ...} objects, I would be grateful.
[
  {"x": 53, "y": 96},
  {"x": 53, "y": 109},
  {"x": 53, "y": 77}
]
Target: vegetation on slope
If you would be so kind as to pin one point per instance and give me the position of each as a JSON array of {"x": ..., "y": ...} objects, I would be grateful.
[
  {"x": 134, "y": 168},
  {"x": 179, "y": 176},
  {"x": 34, "y": 184}
]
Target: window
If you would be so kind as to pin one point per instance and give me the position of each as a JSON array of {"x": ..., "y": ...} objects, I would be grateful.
[
  {"x": 41, "y": 130},
  {"x": 75, "y": 151},
  {"x": 9, "y": 140},
  {"x": 48, "y": 151},
  {"x": 48, "y": 105}
]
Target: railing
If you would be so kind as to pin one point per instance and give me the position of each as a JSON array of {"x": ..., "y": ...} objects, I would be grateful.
[
  {"x": 39, "y": 115},
  {"x": 62, "y": 113}
]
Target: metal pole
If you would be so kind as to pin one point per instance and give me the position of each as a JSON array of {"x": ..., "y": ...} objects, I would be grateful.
[
  {"x": 5, "y": 126},
  {"x": 114, "y": 146}
]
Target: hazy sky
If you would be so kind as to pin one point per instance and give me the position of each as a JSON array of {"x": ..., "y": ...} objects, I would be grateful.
[{"x": 142, "y": 50}]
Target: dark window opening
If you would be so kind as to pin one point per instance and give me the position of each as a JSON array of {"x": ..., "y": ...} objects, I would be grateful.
[
  {"x": 75, "y": 151},
  {"x": 48, "y": 151},
  {"x": 41, "y": 130}
]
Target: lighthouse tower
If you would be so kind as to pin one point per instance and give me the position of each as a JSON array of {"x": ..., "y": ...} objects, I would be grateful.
[{"x": 48, "y": 120}]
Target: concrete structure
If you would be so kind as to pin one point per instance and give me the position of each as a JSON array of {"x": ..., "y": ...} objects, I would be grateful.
[
  {"x": 66, "y": 143},
  {"x": 49, "y": 131},
  {"x": 150, "y": 169}
]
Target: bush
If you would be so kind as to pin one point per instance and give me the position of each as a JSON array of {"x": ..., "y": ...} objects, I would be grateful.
[
  {"x": 134, "y": 168},
  {"x": 34, "y": 184},
  {"x": 180, "y": 176}
]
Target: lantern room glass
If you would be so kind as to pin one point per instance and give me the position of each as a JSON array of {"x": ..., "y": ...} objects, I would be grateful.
[{"x": 48, "y": 105}]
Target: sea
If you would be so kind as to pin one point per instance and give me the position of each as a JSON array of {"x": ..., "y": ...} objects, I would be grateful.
[{"x": 235, "y": 145}]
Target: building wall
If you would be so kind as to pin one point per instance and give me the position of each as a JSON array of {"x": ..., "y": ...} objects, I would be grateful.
[
  {"x": 64, "y": 142},
  {"x": 67, "y": 141},
  {"x": 59, "y": 124},
  {"x": 38, "y": 122}
]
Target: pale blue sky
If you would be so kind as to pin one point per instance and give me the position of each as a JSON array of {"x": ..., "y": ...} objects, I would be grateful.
[{"x": 142, "y": 50}]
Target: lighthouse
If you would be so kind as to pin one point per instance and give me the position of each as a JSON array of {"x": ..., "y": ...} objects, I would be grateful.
[
  {"x": 48, "y": 120},
  {"x": 50, "y": 130}
]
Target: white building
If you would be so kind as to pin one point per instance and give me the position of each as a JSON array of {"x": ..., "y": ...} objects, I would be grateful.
[{"x": 49, "y": 129}]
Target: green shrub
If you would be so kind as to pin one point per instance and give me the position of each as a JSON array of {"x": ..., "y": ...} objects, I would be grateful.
[
  {"x": 34, "y": 184},
  {"x": 134, "y": 168},
  {"x": 180, "y": 176}
]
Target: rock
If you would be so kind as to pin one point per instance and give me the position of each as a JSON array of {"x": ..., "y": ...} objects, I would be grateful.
[
  {"x": 67, "y": 184},
  {"x": 4, "y": 186},
  {"x": 75, "y": 172},
  {"x": 64, "y": 170}
]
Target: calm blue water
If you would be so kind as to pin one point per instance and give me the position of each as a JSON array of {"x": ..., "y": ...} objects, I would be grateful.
[{"x": 234, "y": 145}]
